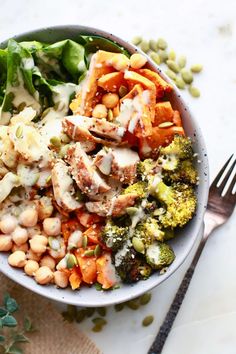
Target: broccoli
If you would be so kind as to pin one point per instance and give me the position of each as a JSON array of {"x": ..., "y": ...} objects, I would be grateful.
[
  {"x": 159, "y": 255},
  {"x": 148, "y": 231},
  {"x": 130, "y": 267},
  {"x": 139, "y": 188},
  {"x": 181, "y": 147},
  {"x": 114, "y": 236},
  {"x": 145, "y": 168},
  {"x": 180, "y": 201},
  {"x": 185, "y": 173}
]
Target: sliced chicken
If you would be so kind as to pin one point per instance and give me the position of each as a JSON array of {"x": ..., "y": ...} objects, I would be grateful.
[
  {"x": 120, "y": 163},
  {"x": 97, "y": 130},
  {"x": 63, "y": 187},
  {"x": 84, "y": 172},
  {"x": 113, "y": 207}
]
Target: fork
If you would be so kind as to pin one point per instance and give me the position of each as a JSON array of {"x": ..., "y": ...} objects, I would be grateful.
[{"x": 219, "y": 209}]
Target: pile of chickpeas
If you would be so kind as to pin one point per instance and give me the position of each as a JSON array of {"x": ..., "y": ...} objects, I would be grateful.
[{"x": 29, "y": 246}]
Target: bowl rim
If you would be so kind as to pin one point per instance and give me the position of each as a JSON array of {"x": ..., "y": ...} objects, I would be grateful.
[{"x": 205, "y": 184}]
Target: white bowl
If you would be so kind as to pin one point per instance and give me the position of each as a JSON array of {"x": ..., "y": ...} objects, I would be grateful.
[{"x": 182, "y": 244}]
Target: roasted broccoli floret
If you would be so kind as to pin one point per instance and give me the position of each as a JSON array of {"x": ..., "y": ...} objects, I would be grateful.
[
  {"x": 185, "y": 173},
  {"x": 180, "y": 202},
  {"x": 145, "y": 168},
  {"x": 114, "y": 236},
  {"x": 130, "y": 267},
  {"x": 139, "y": 188},
  {"x": 148, "y": 231},
  {"x": 159, "y": 255},
  {"x": 181, "y": 147}
]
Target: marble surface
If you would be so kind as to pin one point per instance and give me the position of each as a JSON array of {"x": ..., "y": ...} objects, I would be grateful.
[{"x": 204, "y": 30}]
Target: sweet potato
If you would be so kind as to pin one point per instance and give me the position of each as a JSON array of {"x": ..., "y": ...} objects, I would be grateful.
[
  {"x": 88, "y": 219},
  {"x": 87, "y": 266},
  {"x": 163, "y": 136},
  {"x": 106, "y": 271},
  {"x": 111, "y": 82},
  {"x": 75, "y": 278},
  {"x": 161, "y": 85},
  {"x": 177, "y": 119},
  {"x": 163, "y": 113},
  {"x": 68, "y": 227}
]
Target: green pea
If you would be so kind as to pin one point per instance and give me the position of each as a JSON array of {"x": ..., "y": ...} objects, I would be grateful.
[
  {"x": 153, "y": 45},
  {"x": 63, "y": 150},
  {"x": 155, "y": 57},
  {"x": 180, "y": 83},
  {"x": 145, "y": 298},
  {"x": 196, "y": 68},
  {"x": 172, "y": 65},
  {"x": 55, "y": 141},
  {"x": 137, "y": 40},
  {"x": 144, "y": 46},
  {"x": 182, "y": 61},
  {"x": 194, "y": 91},
  {"x": 97, "y": 328},
  {"x": 161, "y": 43},
  {"x": 99, "y": 321},
  {"x": 133, "y": 304},
  {"x": 172, "y": 54},
  {"x": 171, "y": 74},
  {"x": 102, "y": 311},
  {"x": 138, "y": 245},
  {"x": 90, "y": 311},
  {"x": 119, "y": 307},
  {"x": 163, "y": 55},
  {"x": 147, "y": 321},
  {"x": 80, "y": 316},
  {"x": 187, "y": 76}
]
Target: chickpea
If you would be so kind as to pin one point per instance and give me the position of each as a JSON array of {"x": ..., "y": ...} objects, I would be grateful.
[
  {"x": 17, "y": 259},
  {"x": 61, "y": 279},
  {"x": 31, "y": 267},
  {"x": 110, "y": 100},
  {"x": 38, "y": 244},
  {"x": 52, "y": 226},
  {"x": 20, "y": 235},
  {"x": 8, "y": 224},
  {"x": 24, "y": 247},
  {"x": 58, "y": 253},
  {"x": 5, "y": 243},
  {"x": 48, "y": 261},
  {"x": 33, "y": 256},
  {"x": 43, "y": 275},
  {"x": 28, "y": 217},
  {"x": 99, "y": 111},
  {"x": 120, "y": 62},
  {"x": 137, "y": 61}
]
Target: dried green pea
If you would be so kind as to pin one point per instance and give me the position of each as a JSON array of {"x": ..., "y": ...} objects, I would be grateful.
[
  {"x": 163, "y": 55},
  {"x": 187, "y": 76},
  {"x": 63, "y": 150},
  {"x": 19, "y": 132},
  {"x": 80, "y": 316},
  {"x": 97, "y": 328},
  {"x": 99, "y": 321},
  {"x": 133, "y": 304},
  {"x": 180, "y": 83},
  {"x": 89, "y": 253},
  {"x": 144, "y": 45},
  {"x": 147, "y": 321},
  {"x": 55, "y": 141},
  {"x": 97, "y": 251},
  {"x": 194, "y": 91},
  {"x": 145, "y": 298},
  {"x": 182, "y": 61},
  {"x": 137, "y": 40},
  {"x": 119, "y": 307},
  {"x": 122, "y": 91},
  {"x": 102, "y": 311},
  {"x": 172, "y": 55},
  {"x": 90, "y": 311},
  {"x": 172, "y": 65},
  {"x": 155, "y": 57},
  {"x": 71, "y": 310},
  {"x": 171, "y": 74},
  {"x": 138, "y": 245},
  {"x": 196, "y": 68},
  {"x": 161, "y": 43},
  {"x": 153, "y": 45}
]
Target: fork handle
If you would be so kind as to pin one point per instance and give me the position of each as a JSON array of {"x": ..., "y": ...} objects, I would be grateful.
[{"x": 165, "y": 328}]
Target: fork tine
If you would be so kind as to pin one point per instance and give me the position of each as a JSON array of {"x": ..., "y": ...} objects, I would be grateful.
[
  {"x": 231, "y": 186},
  {"x": 218, "y": 177},
  {"x": 226, "y": 178}
]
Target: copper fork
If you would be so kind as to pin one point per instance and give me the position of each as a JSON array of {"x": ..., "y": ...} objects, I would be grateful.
[{"x": 219, "y": 209}]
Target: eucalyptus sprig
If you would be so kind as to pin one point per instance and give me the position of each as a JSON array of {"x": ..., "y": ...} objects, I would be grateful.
[{"x": 11, "y": 336}]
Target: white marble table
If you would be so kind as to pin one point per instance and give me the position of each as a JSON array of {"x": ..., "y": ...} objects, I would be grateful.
[{"x": 204, "y": 30}]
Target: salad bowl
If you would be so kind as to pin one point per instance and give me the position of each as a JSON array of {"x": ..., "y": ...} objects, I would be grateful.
[{"x": 186, "y": 237}]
